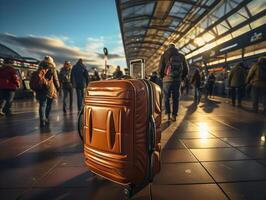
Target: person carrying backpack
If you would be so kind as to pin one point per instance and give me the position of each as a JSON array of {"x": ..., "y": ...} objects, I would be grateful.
[
  {"x": 257, "y": 78},
  {"x": 45, "y": 83},
  {"x": 173, "y": 69},
  {"x": 65, "y": 80},
  {"x": 9, "y": 82}
]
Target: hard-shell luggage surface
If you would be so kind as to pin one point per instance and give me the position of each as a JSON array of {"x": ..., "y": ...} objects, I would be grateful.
[{"x": 122, "y": 130}]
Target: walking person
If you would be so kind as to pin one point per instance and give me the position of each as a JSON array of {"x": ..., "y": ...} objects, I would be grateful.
[
  {"x": 118, "y": 74},
  {"x": 96, "y": 76},
  {"x": 186, "y": 85},
  {"x": 257, "y": 78},
  {"x": 80, "y": 80},
  {"x": 210, "y": 85},
  {"x": 9, "y": 82},
  {"x": 236, "y": 81},
  {"x": 47, "y": 91},
  {"x": 65, "y": 80},
  {"x": 155, "y": 79},
  {"x": 196, "y": 81},
  {"x": 173, "y": 69}
]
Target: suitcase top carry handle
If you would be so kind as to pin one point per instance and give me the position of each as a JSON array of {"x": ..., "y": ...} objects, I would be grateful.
[{"x": 141, "y": 62}]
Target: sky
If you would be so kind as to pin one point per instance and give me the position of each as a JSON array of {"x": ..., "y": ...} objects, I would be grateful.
[{"x": 63, "y": 29}]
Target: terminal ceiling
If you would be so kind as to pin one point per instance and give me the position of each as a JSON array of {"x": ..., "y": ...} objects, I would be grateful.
[{"x": 148, "y": 27}]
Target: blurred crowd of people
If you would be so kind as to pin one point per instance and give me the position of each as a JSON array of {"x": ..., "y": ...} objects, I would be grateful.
[
  {"x": 240, "y": 81},
  {"x": 173, "y": 77},
  {"x": 48, "y": 83}
]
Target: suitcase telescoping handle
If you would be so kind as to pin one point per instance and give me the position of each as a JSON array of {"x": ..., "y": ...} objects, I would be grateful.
[{"x": 135, "y": 62}]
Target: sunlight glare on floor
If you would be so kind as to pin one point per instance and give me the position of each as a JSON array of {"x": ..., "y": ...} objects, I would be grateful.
[{"x": 203, "y": 128}]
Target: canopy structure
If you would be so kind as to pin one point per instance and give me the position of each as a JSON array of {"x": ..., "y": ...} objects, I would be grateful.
[
  {"x": 194, "y": 26},
  {"x": 6, "y": 52}
]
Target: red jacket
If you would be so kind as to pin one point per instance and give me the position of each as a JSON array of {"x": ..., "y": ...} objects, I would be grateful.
[{"x": 8, "y": 78}]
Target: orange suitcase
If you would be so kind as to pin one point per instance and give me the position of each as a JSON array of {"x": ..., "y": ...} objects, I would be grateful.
[{"x": 122, "y": 131}]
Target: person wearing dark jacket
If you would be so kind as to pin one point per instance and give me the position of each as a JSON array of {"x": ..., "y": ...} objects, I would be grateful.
[
  {"x": 196, "y": 81},
  {"x": 236, "y": 81},
  {"x": 118, "y": 73},
  {"x": 9, "y": 82},
  {"x": 96, "y": 76},
  {"x": 257, "y": 78},
  {"x": 173, "y": 69},
  {"x": 155, "y": 79},
  {"x": 45, "y": 96},
  {"x": 65, "y": 80},
  {"x": 210, "y": 85},
  {"x": 80, "y": 80}
]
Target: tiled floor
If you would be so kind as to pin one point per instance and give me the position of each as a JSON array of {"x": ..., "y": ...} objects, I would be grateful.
[{"x": 213, "y": 151}]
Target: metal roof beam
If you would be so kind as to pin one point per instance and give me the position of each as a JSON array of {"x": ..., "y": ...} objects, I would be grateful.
[
  {"x": 130, "y": 4},
  {"x": 160, "y": 28},
  {"x": 147, "y": 36},
  {"x": 145, "y": 17},
  {"x": 144, "y": 42}
]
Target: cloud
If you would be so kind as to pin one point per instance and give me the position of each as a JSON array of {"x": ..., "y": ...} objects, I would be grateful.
[
  {"x": 95, "y": 44},
  {"x": 38, "y": 47}
]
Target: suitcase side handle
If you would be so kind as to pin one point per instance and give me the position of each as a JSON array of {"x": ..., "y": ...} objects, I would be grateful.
[{"x": 153, "y": 135}]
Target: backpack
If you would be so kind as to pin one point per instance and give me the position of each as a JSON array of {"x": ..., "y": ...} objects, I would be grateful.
[
  {"x": 174, "y": 67},
  {"x": 65, "y": 76},
  {"x": 38, "y": 80}
]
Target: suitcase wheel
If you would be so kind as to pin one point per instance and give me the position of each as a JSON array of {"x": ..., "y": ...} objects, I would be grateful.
[{"x": 128, "y": 192}]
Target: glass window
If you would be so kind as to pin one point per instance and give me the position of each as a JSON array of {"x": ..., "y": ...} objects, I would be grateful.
[
  {"x": 233, "y": 3},
  {"x": 256, "y": 6},
  {"x": 236, "y": 19},
  {"x": 204, "y": 24},
  {"x": 139, "y": 10},
  {"x": 225, "y": 25},
  {"x": 243, "y": 12},
  {"x": 191, "y": 36},
  {"x": 200, "y": 12},
  {"x": 185, "y": 50},
  {"x": 134, "y": 33},
  {"x": 182, "y": 51},
  {"x": 199, "y": 41},
  {"x": 134, "y": 45},
  {"x": 241, "y": 31},
  {"x": 199, "y": 30},
  {"x": 166, "y": 34},
  {"x": 174, "y": 23},
  {"x": 191, "y": 46},
  {"x": 138, "y": 23},
  {"x": 258, "y": 22},
  {"x": 220, "y": 11},
  {"x": 180, "y": 9},
  {"x": 208, "y": 36},
  {"x": 209, "y": 2}
]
